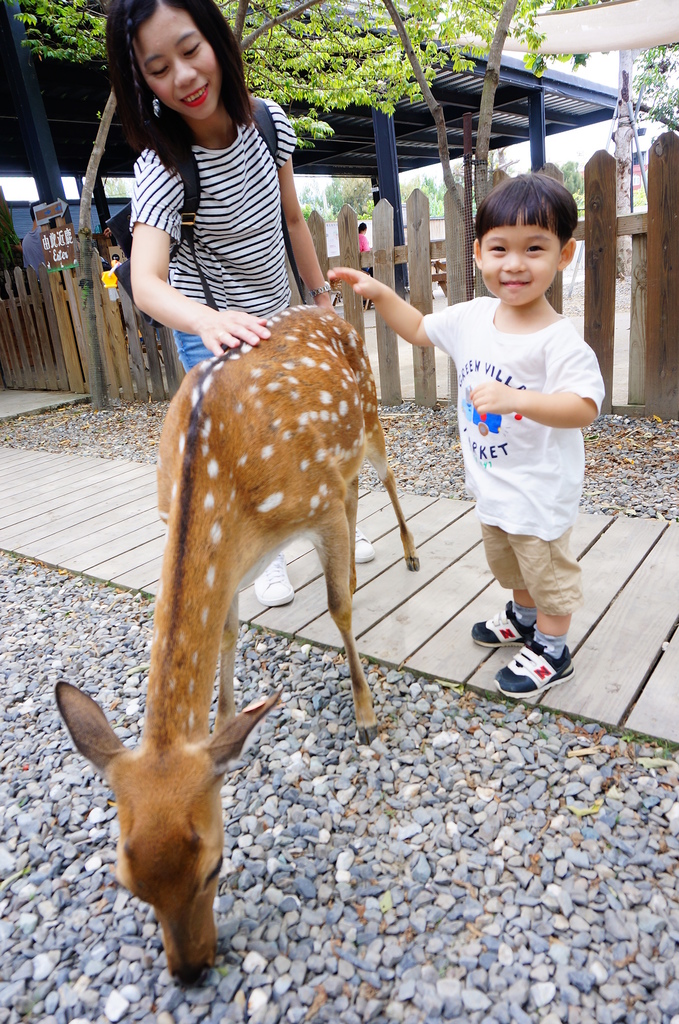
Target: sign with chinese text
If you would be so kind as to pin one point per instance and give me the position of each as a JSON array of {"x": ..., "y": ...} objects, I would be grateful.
[{"x": 57, "y": 235}]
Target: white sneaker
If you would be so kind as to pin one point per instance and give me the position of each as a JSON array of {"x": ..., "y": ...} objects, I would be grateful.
[
  {"x": 273, "y": 588},
  {"x": 365, "y": 552}
]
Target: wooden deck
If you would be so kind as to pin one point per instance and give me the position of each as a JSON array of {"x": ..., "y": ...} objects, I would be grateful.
[{"x": 98, "y": 517}]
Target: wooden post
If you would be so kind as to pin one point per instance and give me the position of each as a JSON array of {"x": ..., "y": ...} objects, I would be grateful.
[
  {"x": 69, "y": 279},
  {"x": 554, "y": 293},
  {"x": 43, "y": 333},
  {"x": 455, "y": 291},
  {"x": 74, "y": 370},
  {"x": 316, "y": 226},
  {"x": 636, "y": 388},
  {"x": 347, "y": 228},
  {"x": 600, "y": 264},
  {"x": 419, "y": 272},
  {"x": 29, "y": 327},
  {"x": 30, "y": 381},
  {"x": 53, "y": 325},
  {"x": 8, "y": 354},
  {"x": 662, "y": 338},
  {"x": 151, "y": 345},
  {"x": 383, "y": 269},
  {"x": 137, "y": 365},
  {"x": 174, "y": 371}
]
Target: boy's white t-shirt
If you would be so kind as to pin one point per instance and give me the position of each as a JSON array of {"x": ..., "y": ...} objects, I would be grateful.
[{"x": 526, "y": 478}]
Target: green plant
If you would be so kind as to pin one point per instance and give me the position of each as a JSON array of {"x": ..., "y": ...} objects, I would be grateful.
[{"x": 10, "y": 244}]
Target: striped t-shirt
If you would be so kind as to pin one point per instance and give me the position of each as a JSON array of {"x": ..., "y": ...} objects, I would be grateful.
[{"x": 238, "y": 234}]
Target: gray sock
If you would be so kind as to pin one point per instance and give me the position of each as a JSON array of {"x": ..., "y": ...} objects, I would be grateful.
[
  {"x": 525, "y": 616},
  {"x": 553, "y": 645}
]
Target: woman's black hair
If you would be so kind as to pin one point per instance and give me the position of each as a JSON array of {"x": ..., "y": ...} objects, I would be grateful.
[
  {"x": 168, "y": 135},
  {"x": 529, "y": 199}
]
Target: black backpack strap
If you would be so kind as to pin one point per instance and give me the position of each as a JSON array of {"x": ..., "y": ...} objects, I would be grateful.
[
  {"x": 265, "y": 125},
  {"x": 188, "y": 169}
]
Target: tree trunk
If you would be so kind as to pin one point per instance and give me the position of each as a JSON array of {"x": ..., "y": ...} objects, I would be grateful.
[
  {"x": 98, "y": 390},
  {"x": 624, "y": 137}
]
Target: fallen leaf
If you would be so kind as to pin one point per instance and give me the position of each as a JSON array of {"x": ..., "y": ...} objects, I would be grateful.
[
  {"x": 581, "y": 812},
  {"x": 386, "y": 902},
  {"x": 583, "y": 751},
  {"x": 655, "y": 762}
]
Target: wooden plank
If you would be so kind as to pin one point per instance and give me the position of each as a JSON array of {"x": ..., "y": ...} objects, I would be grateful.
[
  {"x": 454, "y": 228},
  {"x": 127, "y": 561},
  {"x": 554, "y": 293},
  {"x": 316, "y": 226},
  {"x": 53, "y": 328},
  {"x": 600, "y": 264},
  {"x": 112, "y": 540},
  {"x": 347, "y": 229},
  {"x": 29, "y": 375},
  {"x": 74, "y": 370},
  {"x": 662, "y": 342},
  {"x": 41, "y": 327},
  {"x": 143, "y": 577},
  {"x": 69, "y": 278},
  {"x": 656, "y": 712},
  {"x": 30, "y": 331},
  {"x": 636, "y": 387},
  {"x": 419, "y": 273},
  {"x": 626, "y": 224},
  {"x": 151, "y": 345},
  {"x": 452, "y": 654},
  {"x": 304, "y": 566},
  {"x": 383, "y": 269},
  {"x": 113, "y": 335},
  {"x": 68, "y": 492},
  {"x": 137, "y": 365},
  {"x": 311, "y": 601},
  {"x": 618, "y": 656},
  {"x": 381, "y": 595},
  {"x": 110, "y": 370},
  {"x": 174, "y": 371},
  {"x": 9, "y": 356}
]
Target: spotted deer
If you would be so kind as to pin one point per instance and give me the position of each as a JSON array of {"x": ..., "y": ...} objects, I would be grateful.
[{"x": 259, "y": 446}]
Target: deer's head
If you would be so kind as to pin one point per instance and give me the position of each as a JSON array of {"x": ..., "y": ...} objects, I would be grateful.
[{"x": 169, "y": 810}]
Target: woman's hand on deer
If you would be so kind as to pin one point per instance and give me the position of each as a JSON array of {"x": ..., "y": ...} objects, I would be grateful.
[{"x": 228, "y": 329}]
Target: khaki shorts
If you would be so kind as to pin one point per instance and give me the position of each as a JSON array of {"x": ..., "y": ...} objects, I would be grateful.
[{"x": 546, "y": 569}]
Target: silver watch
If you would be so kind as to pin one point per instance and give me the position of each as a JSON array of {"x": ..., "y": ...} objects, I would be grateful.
[{"x": 325, "y": 287}]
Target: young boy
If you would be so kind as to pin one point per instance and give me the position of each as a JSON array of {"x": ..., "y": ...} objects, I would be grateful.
[{"x": 527, "y": 383}]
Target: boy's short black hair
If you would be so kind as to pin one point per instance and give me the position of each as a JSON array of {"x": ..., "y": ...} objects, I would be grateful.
[
  {"x": 32, "y": 208},
  {"x": 529, "y": 199},
  {"x": 362, "y": 226}
]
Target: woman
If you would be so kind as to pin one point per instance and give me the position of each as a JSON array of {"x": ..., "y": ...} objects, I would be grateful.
[{"x": 177, "y": 74}]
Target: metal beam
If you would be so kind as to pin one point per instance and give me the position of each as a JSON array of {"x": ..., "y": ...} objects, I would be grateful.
[
  {"x": 537, "y": 129},
  {"x": 30, "y": 109},
  {"x": 388, "y": 183}
]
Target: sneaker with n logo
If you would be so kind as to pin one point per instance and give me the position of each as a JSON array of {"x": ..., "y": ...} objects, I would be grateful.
[
  {"x": 533, "y": 670},
  {"x": 504, "y": 630}
]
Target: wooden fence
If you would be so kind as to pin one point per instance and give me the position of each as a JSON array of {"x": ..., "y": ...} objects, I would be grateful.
[
  {"x": 43, "y": 347},
  {"x": 42, "y": 344}
]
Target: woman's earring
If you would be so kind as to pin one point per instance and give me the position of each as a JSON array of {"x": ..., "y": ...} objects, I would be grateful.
[{"x": 156, "y": 106}]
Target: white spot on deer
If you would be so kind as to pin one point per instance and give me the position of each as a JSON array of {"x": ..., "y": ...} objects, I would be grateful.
[
  {"x": 337, "y": 330},
  {"x": 321, "y": 455},
  {"x": 182, "y": 443},
  {"x": 194, "y": 658},
  {"x": 292, "y": 380},
  {"x": 345, "y": 385},
  {"x": 304, "y": 465},
  {"x": 325, "y": 415},
  {"x": 324, "y": 366},
  {"x": 210, "y": 577},
  {"x": 307, "y": 361},
  {"x": 267, "y": 451},
  {"x": 356, "y": 399},
  {"x": 192, "y": 685},
  {"x": 323, "y": 490},
  {"x": 325, "y": 397},
  {"x": 195, "y": 395},
  {"x": 288, "y": 365},
  {"x": 272, "y": 502},
  {"x": 207, "y": 427},
  {"x": 172, "y": 685},
  {"x": 245, "y": 348},
  {"x": 243, "y": 459},
  {"x": 312, "y": 344},
  {"x": 216, "y": 533},
  {"x": 191, "y": 720},
  {"x": 275, "y": 385},
  {"x": 173, "y": 493},
  {"x": 256, "y": 372},
  {"x": 343, "y": 408},
  {"x": 315, "y": 501},
  {"x": 313, "y": 415},
  {"x": 286, "y": 435},
  {"x": 334, "y": 417},
  {"x": 207, "y": 384},
  {"x": 212, "y": 468},
  {"x": 238, "y": 407},
  {"x": 205, "y": 448},
  {"x": 218, "y": 367},
  {"x": 253, "y": 389},
  {"x": 276, "y": 423},
  {"x": 204, "y": 615},
  {"x": 209, "y": 501},
  {"x": 303, "y": 419}
]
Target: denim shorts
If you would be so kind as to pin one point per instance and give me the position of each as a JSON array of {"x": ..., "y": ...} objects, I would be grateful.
[{"x": 190, "y": 349}]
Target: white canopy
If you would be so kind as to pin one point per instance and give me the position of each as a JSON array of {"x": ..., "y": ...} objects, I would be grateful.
[{"x": 618, "y": 25}]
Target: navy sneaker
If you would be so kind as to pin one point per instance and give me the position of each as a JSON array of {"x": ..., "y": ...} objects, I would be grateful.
[
  {"x": 533, "y": 670},
  {"x": 504, "y": 630}
]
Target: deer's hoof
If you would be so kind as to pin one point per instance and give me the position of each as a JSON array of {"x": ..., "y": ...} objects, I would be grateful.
[
  {"x": 366, "y": 734},
  {"x": 413, "y": 563}
]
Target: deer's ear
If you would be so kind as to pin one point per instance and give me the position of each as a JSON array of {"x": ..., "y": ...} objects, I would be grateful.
[
  {"x": 228, "y": 744},
  {"x": 88, "y": 726}
]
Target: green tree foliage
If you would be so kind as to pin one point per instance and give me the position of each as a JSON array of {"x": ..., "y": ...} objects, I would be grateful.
[
  {"x": 657, "y": 70},
  {"x": 356, "y": 192},
  {"x": 434, "y": 191},
  {"x": 573, "y": 178}
]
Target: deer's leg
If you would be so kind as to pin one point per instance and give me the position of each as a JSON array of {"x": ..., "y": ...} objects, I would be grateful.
[
  {"x": 226, "y": 706},
  {"x": 351, "y": 507},
  {"x": 335, "y": 553},
  {"x": 377, "y": 455}
]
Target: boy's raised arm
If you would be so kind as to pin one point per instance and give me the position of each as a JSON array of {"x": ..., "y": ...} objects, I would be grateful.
[{"x": 407, "y": 321}]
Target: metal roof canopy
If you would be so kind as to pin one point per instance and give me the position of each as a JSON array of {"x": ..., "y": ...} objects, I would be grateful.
[{"x": 74, "y": 95}]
